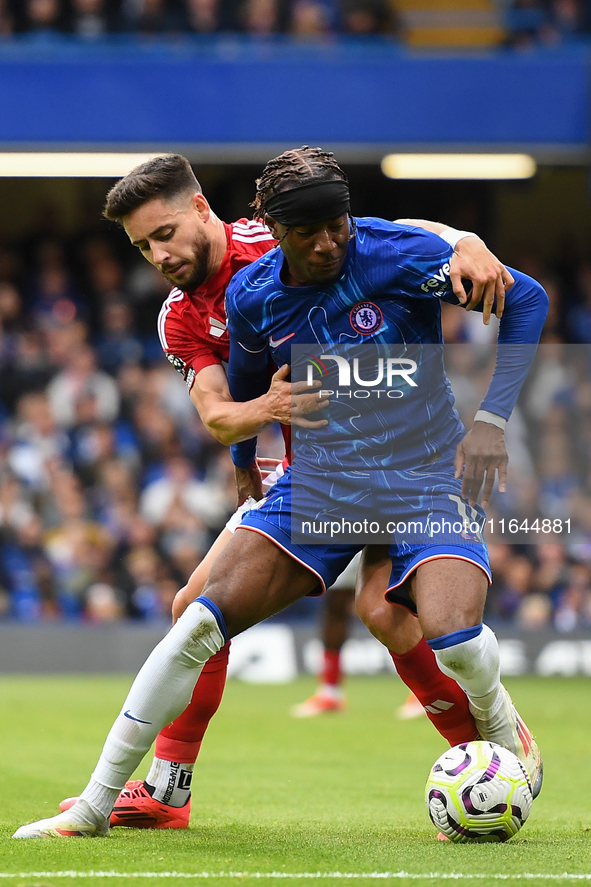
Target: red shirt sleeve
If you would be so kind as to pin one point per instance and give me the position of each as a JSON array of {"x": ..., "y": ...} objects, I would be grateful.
[{"x": 184, "y": 344}]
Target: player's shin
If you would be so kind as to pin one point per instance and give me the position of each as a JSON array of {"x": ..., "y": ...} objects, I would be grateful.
[
  {"x": 471, "y": 657},
  {"x": 445, "y": 703},
  {"x": 160, "y": 692},
  {"x": 178, "y": 745}
]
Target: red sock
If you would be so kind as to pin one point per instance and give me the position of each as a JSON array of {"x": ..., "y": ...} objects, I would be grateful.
[
  {"x": 444, "y": 701},
  {"x": 331, "y": 668},
  {"x": 181, "y": 740}
]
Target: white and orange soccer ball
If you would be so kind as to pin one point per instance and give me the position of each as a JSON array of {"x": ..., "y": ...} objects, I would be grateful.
[{"x": 478, "y": 792}]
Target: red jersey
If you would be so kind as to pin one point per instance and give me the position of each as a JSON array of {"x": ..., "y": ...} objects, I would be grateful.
[{"x": 192, "y": 326}]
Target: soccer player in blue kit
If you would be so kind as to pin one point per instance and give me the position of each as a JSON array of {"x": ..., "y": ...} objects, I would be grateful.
[
  {"x": 368, "y": 279},
  {"x": 336, "y": 279}
]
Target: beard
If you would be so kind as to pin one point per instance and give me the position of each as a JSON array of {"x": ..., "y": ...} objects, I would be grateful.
[{"x": 197, "y": 269}]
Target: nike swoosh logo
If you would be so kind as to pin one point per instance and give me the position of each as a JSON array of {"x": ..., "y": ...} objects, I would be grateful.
[
  {"x": 131, "y": 718},
  {"x": 276, "y": 343}
]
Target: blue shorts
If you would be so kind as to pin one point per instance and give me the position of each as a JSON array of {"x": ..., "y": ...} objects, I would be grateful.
[
  {"x": 405, "y": 560},
  {"x": 272, "y": 517}
]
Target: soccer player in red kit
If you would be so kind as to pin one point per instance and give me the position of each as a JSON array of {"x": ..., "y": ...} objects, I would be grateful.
[{"x": 198, "y": 253}]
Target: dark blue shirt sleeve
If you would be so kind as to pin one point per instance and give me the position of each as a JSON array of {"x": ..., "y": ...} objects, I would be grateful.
[
  {"x": 526, "y": 307},
  {"x": 248, "y": 377},
  {"x": 248, "y": 368}
]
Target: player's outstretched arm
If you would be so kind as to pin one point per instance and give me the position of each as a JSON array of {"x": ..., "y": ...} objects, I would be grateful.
[
  {"x": 231, "y": 422},
  {"x": 472, "y": 260}
]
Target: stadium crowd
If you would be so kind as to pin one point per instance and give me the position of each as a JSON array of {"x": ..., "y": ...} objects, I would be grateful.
[
  {"x": 526, "y": 23},
  {"x": 111, "y": 491}
]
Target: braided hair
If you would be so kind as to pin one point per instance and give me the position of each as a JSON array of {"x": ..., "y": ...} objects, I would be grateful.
[{"x": 292, "y": 168}]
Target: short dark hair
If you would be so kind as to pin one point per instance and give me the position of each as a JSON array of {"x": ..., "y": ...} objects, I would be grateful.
[
  {"x": 298, "y": 166},
  {"x": 165, "y": 176}
]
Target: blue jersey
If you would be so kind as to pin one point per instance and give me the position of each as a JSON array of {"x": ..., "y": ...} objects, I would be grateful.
[{"x": 388, "y": 294}]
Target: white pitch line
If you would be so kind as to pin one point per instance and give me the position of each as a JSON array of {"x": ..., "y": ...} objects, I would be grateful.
[{"x": 351, "y": 876}]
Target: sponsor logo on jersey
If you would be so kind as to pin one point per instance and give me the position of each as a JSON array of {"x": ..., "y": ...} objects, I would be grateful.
[
  {"x": 439, "y": 279},
  {"x": 366, "y": 318}
]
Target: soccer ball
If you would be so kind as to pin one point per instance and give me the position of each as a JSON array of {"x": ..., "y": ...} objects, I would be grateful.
[{"x": 478, "y": 792}]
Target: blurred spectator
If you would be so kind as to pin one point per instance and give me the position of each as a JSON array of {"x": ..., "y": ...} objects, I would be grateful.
[
  {"x": 15, "y": 508},
  {"x": 557, "y": 477},
  {"x": 62, "y": 341},
  {"x": 80, "y": 552},
  {"x": 38, "y": 445},
  {"x": 146, "y": 571},
  {"x": 151, "y": 17},
  {"x": 103, "y": 603},
  {"x": 363, "y": 18},
  {"x": 309, "y": 19},
  {"x": 567, "y": 18},
  {"x": 527, "y": 20},
  {"x": 53, "y": 295},
  {"x": 117, "y": 342},
  {"x": 260, "y": 18},
  {"x": 28, "y": 573},
  {"x": 11, "y": 324},
  {"x": 573, "y": 609},
  {"x": 6, "y": 20},
  {"x": 90, "y": 19},
  {"x": 535, "y": 22},
  {"x": 28, "y": 368},
  {"x": 157, "y": 435},
  {"x": 552, "y": 571},
  {"x": 44, "y": 18},
  {"x": 516, "y": 583},
  {"x": 178, "y": 488},
  {"x": 203, "y": 16},
  {"x": 80, "y": 378}
]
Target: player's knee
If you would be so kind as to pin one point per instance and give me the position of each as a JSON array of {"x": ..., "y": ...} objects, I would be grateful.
[
  {"x": 466, "y": 658},
  {"x": 374, "y": 616},
  {"x": 195, "y": 637},
  {"x": 458, "y": 663}
]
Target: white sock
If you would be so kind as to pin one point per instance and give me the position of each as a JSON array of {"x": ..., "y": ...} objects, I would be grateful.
[
  {"x": 474, "y": 664},
  {"x": 171, "y": 782},
  {"x": 160, "y": 692},
  {"x": 332, "y": 691},
  {"x": 99, "y": 798}
]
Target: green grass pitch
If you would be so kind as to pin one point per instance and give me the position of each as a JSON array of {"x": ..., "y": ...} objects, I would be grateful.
[{"x": 337, "y": 799}]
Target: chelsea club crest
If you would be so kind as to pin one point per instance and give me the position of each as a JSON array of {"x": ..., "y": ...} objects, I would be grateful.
[{"x": 366, "y": 318}]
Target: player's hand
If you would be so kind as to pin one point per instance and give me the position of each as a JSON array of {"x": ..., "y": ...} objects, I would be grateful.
[
  {"x": 290, "y": 402},
  {"x": 481, "y": 452},
  {"x": 267, "y": 465},
  {"x": 248, "y": 483},
  {"x": 472, "y": 260}
]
